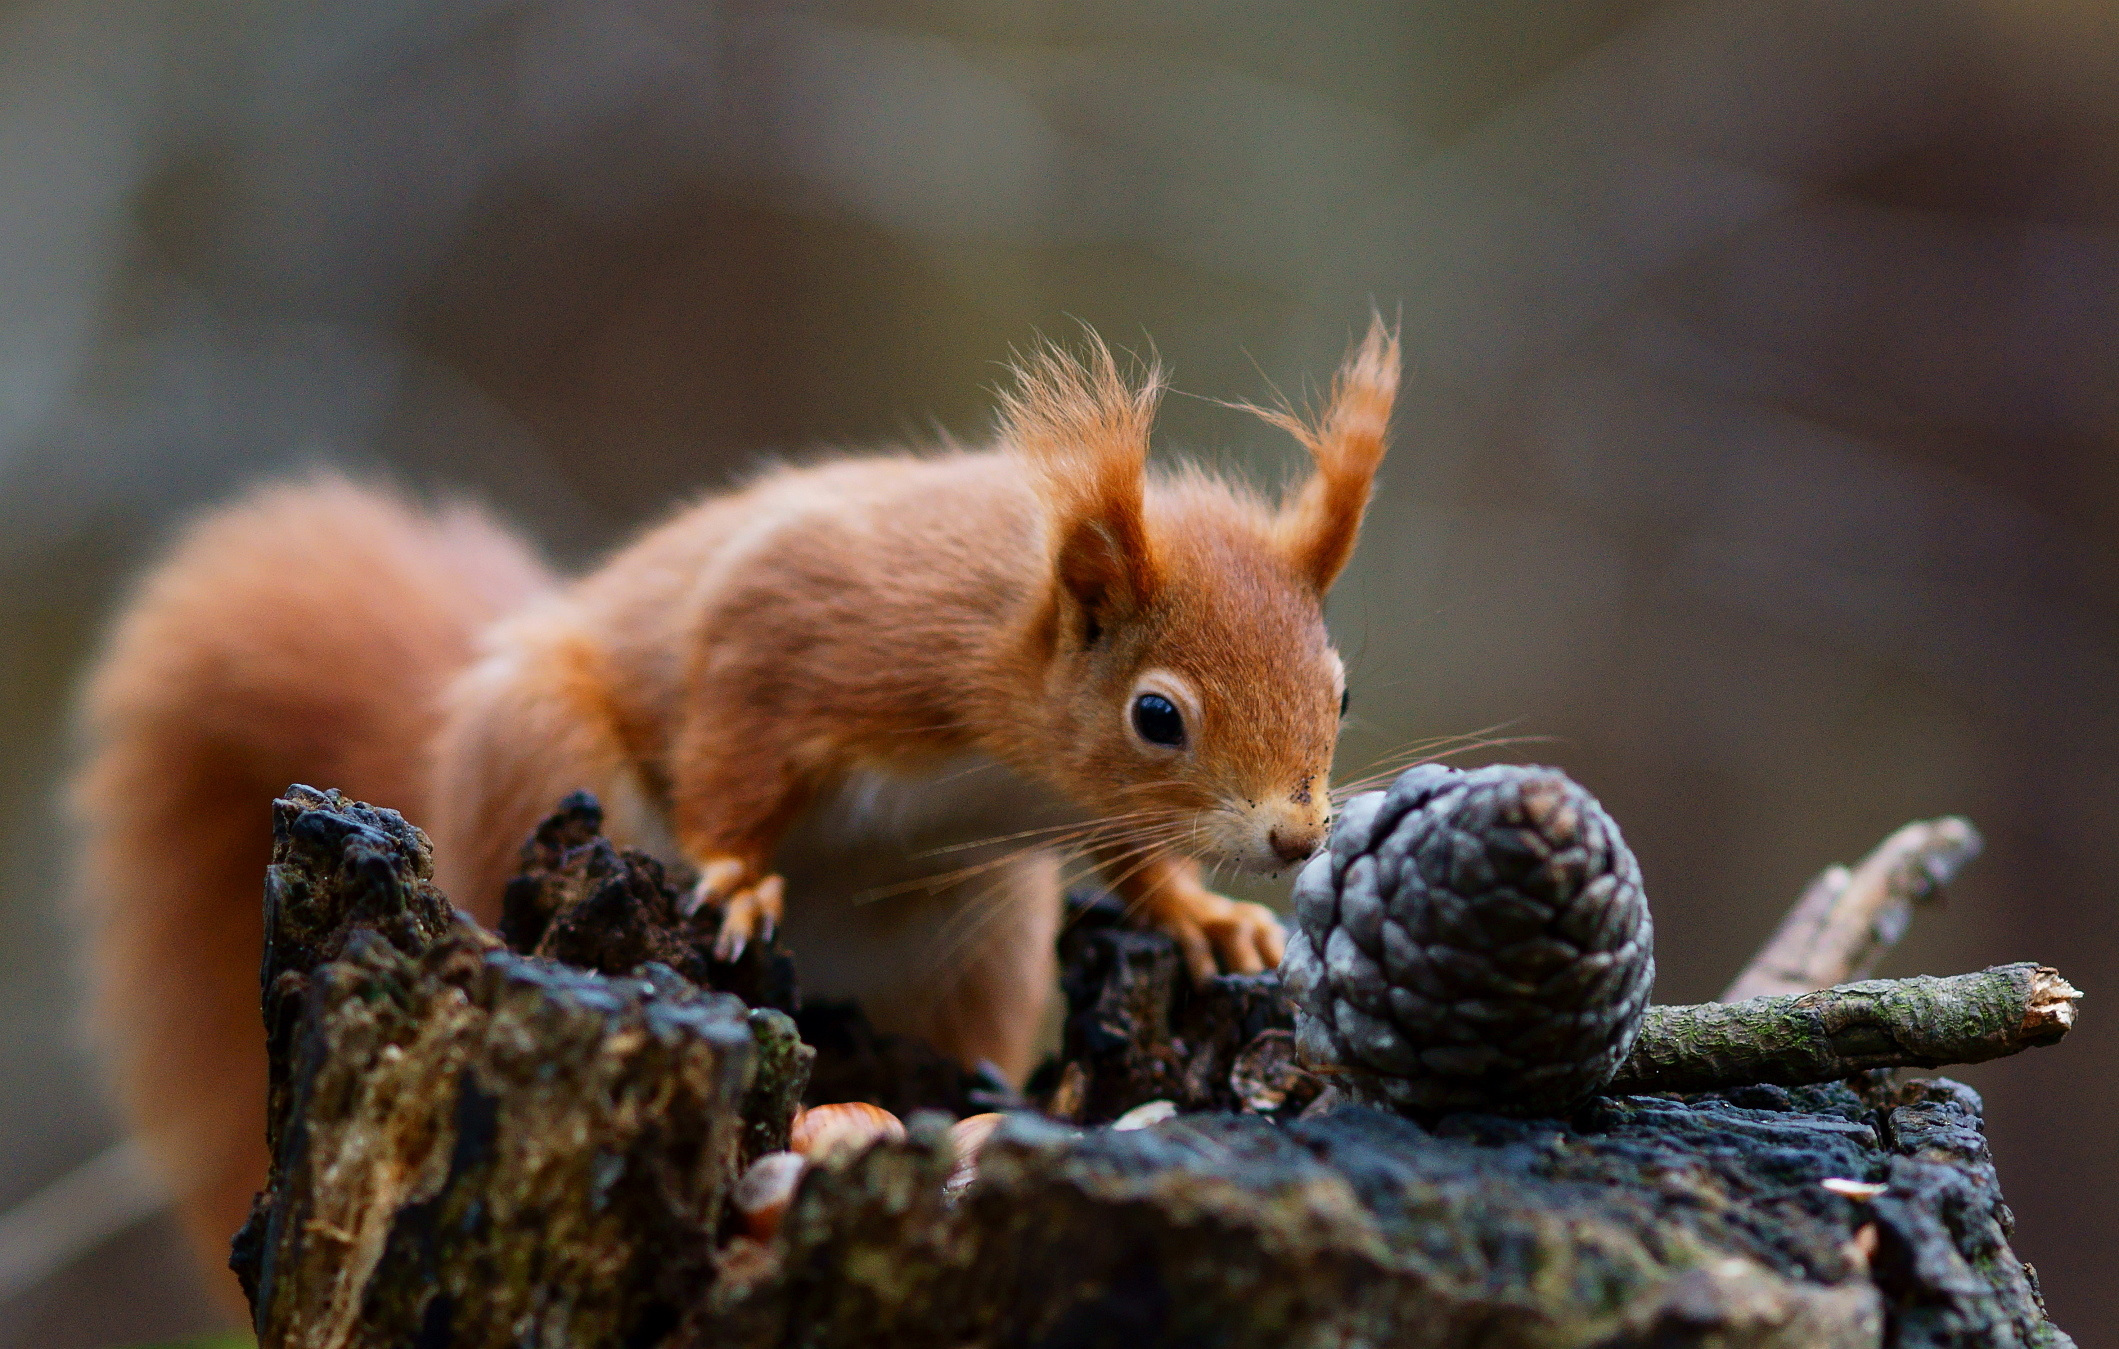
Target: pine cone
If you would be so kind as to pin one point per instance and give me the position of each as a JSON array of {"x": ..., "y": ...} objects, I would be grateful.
[{"x": 1471, "y": 941}]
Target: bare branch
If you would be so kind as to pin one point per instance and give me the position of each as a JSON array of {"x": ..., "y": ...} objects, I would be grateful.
[
  {"x": 1846, "y": 921},
  {"x": 1821, "y": 1036}
]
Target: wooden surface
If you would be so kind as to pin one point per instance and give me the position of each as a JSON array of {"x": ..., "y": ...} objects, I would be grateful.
[{"x": 479, "y": 1146}]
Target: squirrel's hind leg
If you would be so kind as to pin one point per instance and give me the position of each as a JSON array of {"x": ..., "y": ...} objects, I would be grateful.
[
  {"x": 964, "y": 962},
  {"x": 996, "y": 966},
  {"x": 522, "y": 732}
]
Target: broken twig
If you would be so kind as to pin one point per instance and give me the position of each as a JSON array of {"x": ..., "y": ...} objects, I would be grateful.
[{"x": 1794, "y": 1039}]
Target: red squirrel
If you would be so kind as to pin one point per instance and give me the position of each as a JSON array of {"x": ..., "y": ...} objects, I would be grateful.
[{"x": 915, "y": 680}]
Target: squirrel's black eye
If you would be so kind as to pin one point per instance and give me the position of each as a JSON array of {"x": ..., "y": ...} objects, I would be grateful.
[
  {"x": 1346, "y": 698},
  {"x": 1158, "y": 720}
]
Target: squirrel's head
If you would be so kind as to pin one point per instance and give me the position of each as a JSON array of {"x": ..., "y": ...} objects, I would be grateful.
[{"x": 1192, "y": 688}]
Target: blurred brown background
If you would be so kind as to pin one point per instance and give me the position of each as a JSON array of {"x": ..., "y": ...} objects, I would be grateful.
[{"x": 1762, "y": 445}]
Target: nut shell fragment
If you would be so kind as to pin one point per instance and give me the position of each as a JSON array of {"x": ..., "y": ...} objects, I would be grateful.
[
  {"x": 1268, "y": 1076},
  {"x": 765, "y": 1191},
  {"x": 1145, "y": 1114}
]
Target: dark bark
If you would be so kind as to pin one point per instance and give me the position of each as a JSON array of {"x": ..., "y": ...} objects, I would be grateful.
[
  {"x": 1137, "y": 1030},
  {"x": 478, "y": 1146},
  {"x": 468, "y": 1141},
  {"x": 1643, "y": 1222},
  {"x": 584, "y": 902}
]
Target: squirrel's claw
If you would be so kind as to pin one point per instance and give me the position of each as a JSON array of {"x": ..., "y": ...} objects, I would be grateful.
[
  {"x": 719, "y": 878},
  {"x": 750, "y": 905},
  {"x": 753, "y": 911},
  {"x": 1248, "y": 938},
  {"x": 1217, "y": 934}
]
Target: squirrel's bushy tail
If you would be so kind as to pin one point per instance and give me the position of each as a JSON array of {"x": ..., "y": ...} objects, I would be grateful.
[{"x": 303, "y": 634}]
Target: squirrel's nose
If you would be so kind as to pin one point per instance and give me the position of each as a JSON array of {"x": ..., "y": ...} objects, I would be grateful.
[{"x": 1292, "y": 845}]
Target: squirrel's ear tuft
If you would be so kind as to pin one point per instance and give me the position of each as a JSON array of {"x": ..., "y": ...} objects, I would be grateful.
[
  {"x": 1320, "y": 519},
  {"x": 1084, "y": 427}
]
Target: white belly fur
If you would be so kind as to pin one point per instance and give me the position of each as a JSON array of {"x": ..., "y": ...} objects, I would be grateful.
[
  {"x": 879, "y": 829},
  {"x": 895, "y": 881}
]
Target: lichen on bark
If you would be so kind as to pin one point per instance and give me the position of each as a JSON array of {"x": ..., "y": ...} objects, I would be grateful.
[
  {"x": 1920, "y": 1022},
  {"x": 1642, "y": 1222},
  {"x": 479, "y": 1146}
]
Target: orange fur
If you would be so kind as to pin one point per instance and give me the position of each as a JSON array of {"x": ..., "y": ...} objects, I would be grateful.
[
  {"x": 303, "y": 635},
  {"x": 841, "y": 672},
  {"x": 1084, "y": 429},
  {"x": 1347, "y": 440}
]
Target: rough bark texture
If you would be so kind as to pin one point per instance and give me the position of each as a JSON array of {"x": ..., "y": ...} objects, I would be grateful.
[
  {"x": 1643, "y": 1222},
  {"x": 477, "y": 1146},
  {"x": 581, "y": 901},
  {"x": 473, "y": 1147},
  {"x": 1138, "y": 1030}
]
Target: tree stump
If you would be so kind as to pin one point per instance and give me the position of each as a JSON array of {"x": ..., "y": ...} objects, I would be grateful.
[{"x": 474, "y": 1145}]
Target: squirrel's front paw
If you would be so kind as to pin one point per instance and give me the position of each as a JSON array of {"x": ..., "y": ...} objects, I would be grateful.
[
  {"x": 750, "y": 904},
  {"x": 1224, "y": 934}
]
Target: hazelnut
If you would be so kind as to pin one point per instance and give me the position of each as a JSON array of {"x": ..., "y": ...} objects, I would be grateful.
[
  {"x": 967, "y": 1137},
  {"x": 825, "y": 1131},
  {"x": 762, "y": 1196}
]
